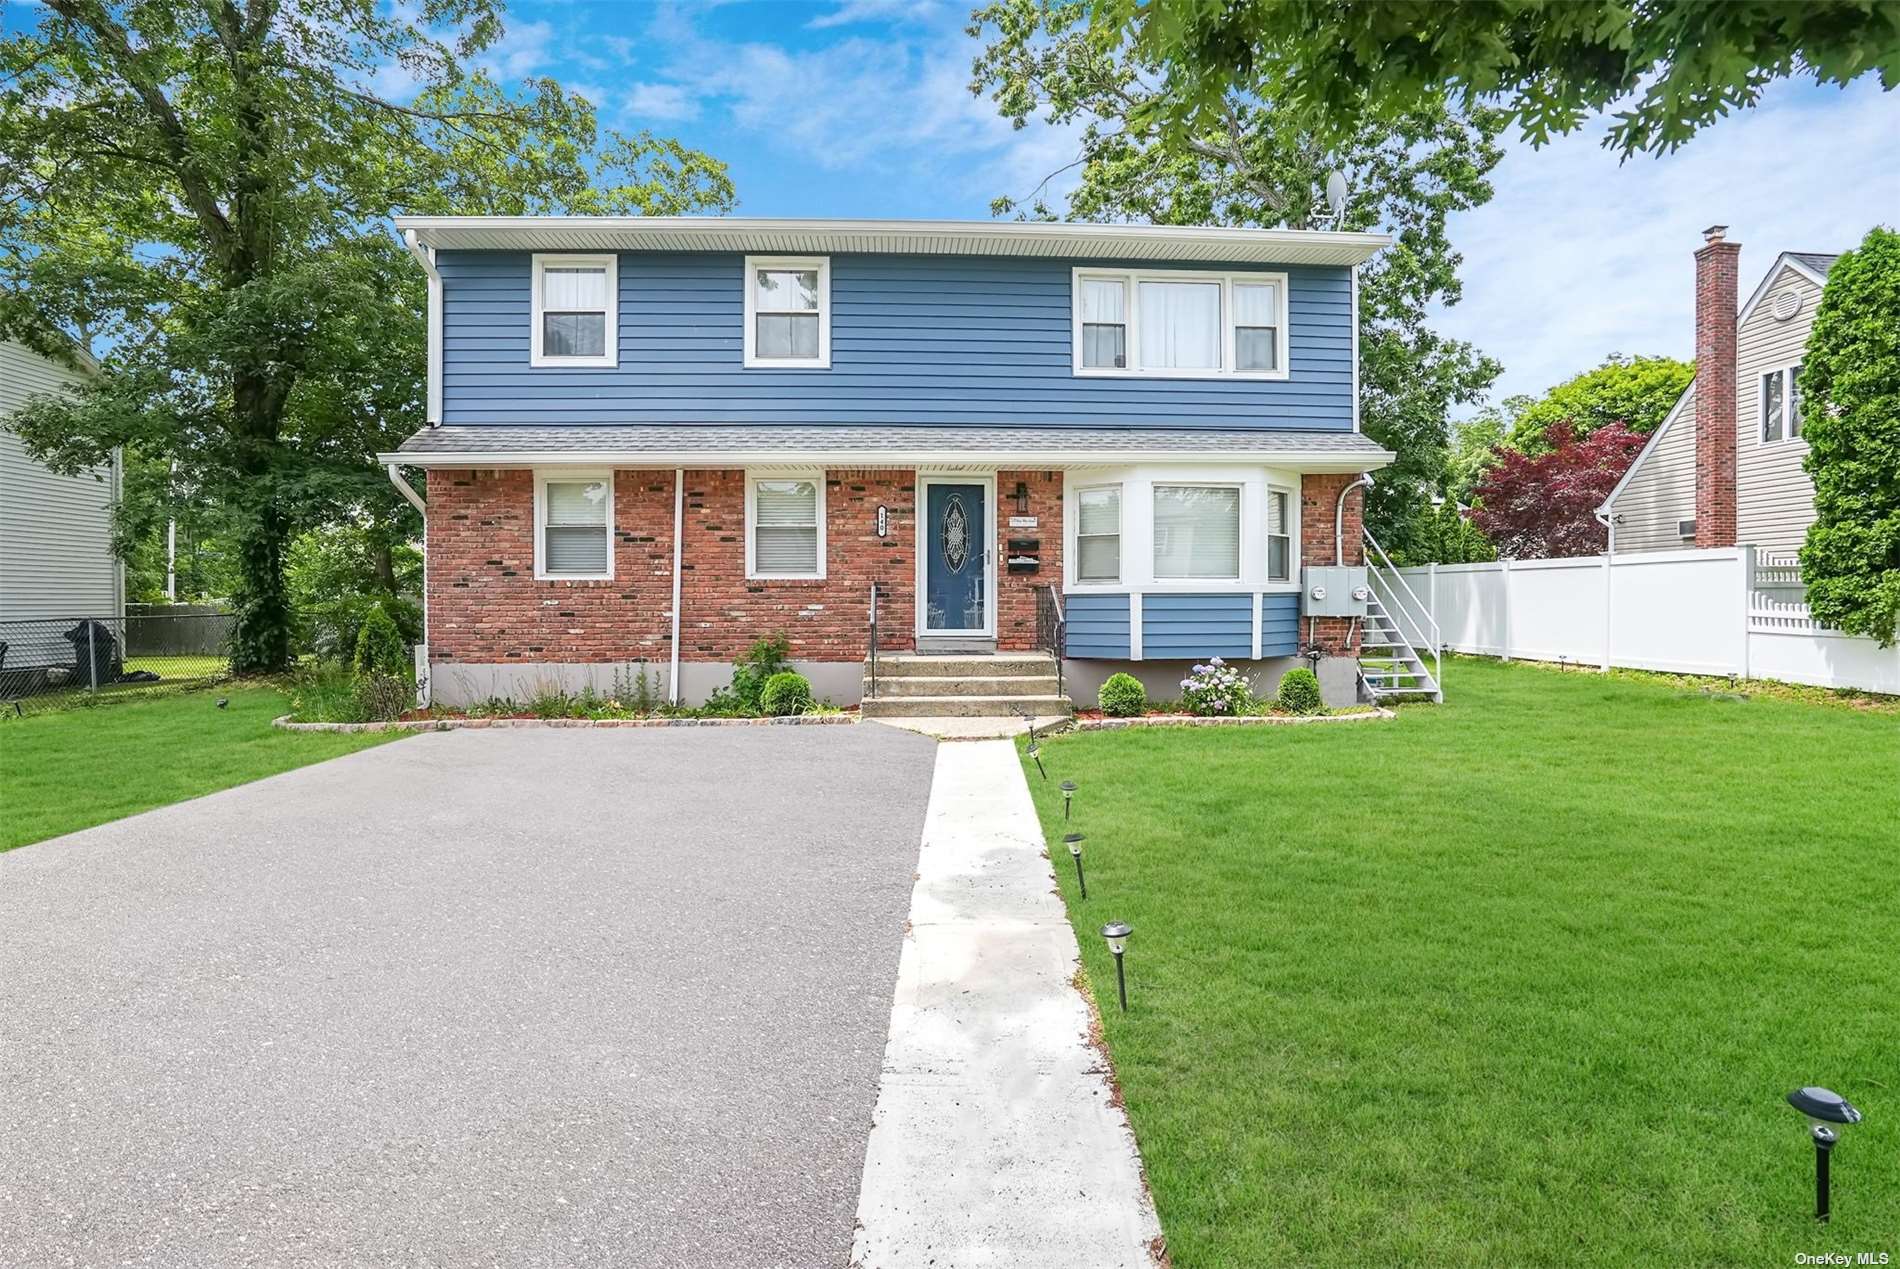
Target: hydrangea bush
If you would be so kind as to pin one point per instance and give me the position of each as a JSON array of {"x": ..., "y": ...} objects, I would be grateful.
[{"x": 1216, "y": 689}]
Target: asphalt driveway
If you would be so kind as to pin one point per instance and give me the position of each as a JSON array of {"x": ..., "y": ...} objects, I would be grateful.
[{"x": 509, "y": 997}]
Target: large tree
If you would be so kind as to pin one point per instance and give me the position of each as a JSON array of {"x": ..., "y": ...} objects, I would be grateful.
[
  {"x": 1543, "y": 506},
  {"x": 1637, "y": 392},
  {"x": 1674, "y": 66},
  {"x": 1850, "y": 387},
  {"x": 201, "y": 188},
  {"x": 1252, "y": 163}
]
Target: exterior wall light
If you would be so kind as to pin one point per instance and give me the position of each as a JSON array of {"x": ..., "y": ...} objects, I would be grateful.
[
  {"x": 1117, "y": 932},
  {"x": 1074, "y": 842},
  {"x": 1822, "y": 1106},
  {"x": 1068, "y": 794}
]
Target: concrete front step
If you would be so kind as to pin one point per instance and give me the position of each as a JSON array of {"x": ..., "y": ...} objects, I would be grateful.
[
  {"x": 964, "y": 706},
  {"x": 932, "y": 685},
  {"x": 909, "y": 665}
]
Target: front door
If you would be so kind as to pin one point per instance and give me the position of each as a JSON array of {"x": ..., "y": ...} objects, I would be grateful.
[{"x": 956, "y": 558}]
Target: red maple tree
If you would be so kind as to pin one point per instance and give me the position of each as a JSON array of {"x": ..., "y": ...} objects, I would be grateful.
[{"x": 1543, "y": 506}]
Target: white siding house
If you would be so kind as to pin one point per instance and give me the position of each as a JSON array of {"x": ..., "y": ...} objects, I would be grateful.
[{"x": 56, "y": 557}]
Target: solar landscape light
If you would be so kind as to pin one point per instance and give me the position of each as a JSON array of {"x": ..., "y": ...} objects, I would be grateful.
[
  {"x": 1117, "y": 932},
  {"x": 1823, "y": 1107},
  {"x": 1068, "y": 793},
  {"x": 1074, "y": 842},
  {"x": 1035, "y": 751}
]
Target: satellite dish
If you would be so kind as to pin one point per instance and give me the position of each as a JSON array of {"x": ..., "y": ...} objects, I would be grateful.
[{"x": 1336, "y": 194}]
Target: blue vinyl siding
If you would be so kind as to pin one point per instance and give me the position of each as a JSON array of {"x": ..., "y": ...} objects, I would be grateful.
[
  {"x": 1098, "y": 626},
  {"x": 914, "y": 339},
  {"x": 1196, "y": 626},
  {"x": 1279, "y": 625}
]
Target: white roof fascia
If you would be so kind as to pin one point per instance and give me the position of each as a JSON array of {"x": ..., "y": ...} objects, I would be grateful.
[
  {"x": 1783, "y": 261},
  {"x": 1311, "y": 461}
]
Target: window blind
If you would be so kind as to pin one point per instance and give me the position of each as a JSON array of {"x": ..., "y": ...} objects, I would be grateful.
[
  {"x": 785, "y": 527},
  {"x": 1197, "y": 531},
  {"x": 575, "y": 531},
  {"x": 1098, "y": 535},
  {"x": 1279, "y": 538}
]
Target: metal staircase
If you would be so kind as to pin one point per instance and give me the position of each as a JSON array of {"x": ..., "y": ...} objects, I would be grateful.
[{"x": 1397, "y": 624}]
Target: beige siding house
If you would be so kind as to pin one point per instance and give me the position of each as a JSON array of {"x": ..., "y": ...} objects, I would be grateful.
[
  {"x": 56, "y": 559},
  {"x": 1654, "y": 506}
]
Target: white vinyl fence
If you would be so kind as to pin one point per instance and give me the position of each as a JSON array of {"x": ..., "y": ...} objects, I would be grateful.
[{"x": 1690, "y": 611}]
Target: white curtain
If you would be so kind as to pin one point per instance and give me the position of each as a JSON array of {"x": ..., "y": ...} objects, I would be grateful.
[
  {"x": 785, "y": 527},
  {"x": 1197, "y": 532},
  {"x": 1104, "y": 300},
  {"x": 1180, "y": 325},
  {"x": 571, "y": 288},
  {"x": 787, "y": 291},
  {"x": 1098, "y": 535},
  {"x": 1256, "y": 326},
  {"x": 576, "y": 532}
]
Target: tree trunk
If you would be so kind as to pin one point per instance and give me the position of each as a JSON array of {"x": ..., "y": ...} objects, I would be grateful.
[
  {"x": 260, "y": 638},
  {"x": 384, "y": 558}
]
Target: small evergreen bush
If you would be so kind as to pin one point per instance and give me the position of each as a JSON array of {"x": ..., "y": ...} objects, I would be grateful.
[
  {"x": 750, "y": 673},
  {"x": 1122, "y": 696},
  {"x": 785, "y": 693},
  {"x": 1299, "y": 692},
  {"x": 379, "y": 645}
]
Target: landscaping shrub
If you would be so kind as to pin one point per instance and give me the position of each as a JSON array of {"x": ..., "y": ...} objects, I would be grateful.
[
  {"x": 1216, "y": 689},
  {"x": 323, "y": 692},
  {"x": 785, "y": 693},
  {"x": 1299, "y": 692},
  {"x": 379, "y": 645},
  {"x": 750, "y": 673},
  {"x": 382, "y": 697},
  {"x": 1122, "y": 696}
]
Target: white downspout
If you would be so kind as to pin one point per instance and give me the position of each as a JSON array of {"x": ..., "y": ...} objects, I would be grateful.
[
  {"x": 1339, "y": 517},
  {"x": 679, "y": 521},
  {"x": 414, "y": 499},
  {"x": 426, "y": 256}
]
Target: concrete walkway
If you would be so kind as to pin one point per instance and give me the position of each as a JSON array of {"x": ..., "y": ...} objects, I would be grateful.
[{"x": 995, "y": 1141}]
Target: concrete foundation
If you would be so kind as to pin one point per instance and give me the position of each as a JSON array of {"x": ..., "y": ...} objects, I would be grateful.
[
  {"x": 458, "y": 686},
  {"x": 1083, "y": 679}
]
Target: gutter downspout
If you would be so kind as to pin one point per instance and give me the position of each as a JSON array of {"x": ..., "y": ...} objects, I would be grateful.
[
  {"x": 414, "y": 499},
  {"x": 1608, "y": 521},
  {"x": 679, "y": 520},
  {"x": 1339, "y": 517},
  {"x": 426, "y": 256}
]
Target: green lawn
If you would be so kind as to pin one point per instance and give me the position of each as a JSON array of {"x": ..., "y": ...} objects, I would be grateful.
[
  {"x": 70, "y": 769},
  {"x": 1520, "y": 979}
]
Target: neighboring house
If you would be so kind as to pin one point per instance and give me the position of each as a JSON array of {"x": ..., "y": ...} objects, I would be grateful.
[
  {"x": 747, "y": 423},
  {"x": 1724, "y": 468},
  {"x": 56, "y": 558}
]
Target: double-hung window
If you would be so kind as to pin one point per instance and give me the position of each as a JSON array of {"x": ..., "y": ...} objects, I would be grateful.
[
  {"x": 1098, "y": 534},
  {"x": 785, "y": 530},
  {"x": 1180, "y": 324},
  {"x": 1279, "y": 535},
  {"x": 788, "y": 313},
  {"x": 1196, "y": 532},
  {"x": 575, "y": 319},
  {"x": 1780, "y": 405},
  {"x": 574, "y": 519}
]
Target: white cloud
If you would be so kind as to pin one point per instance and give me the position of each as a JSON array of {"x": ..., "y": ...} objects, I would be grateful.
[
  {"x": 855, "y": 11},
  {"x": 661, "y": 102},
  {"x": 1577, "y": 256},
  {"x": 522, "y": 50}
]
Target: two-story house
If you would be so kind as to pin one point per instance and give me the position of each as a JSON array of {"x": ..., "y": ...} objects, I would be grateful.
[
  {"x": 660, "y": 440},
  {"x": 1724, "y": 467}
]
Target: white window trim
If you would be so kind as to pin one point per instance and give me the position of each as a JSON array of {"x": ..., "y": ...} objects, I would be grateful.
[
  {"x": 1131, "y": 291},
  {"x": 752, "y": 479},
  {"x": 566, "y": 476},
  {"x": 1787, "y": 437},
  {"x": 1292, "y": 534},
  {"x": 609, "y": 358},
  {"x": 752, "y": 266},
  {"x": 1121, "y": 538},
  {"x": 1240, "y": 528}
]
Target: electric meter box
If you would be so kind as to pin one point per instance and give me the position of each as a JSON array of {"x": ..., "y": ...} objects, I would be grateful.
[{"x": 1334, "y": 592}]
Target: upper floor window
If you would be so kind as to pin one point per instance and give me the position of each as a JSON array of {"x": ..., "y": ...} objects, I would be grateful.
[
  {"x": 1780, "y": 405},
  {"x": 788, "y": 312},
  {"x": 574, "y": 525},
  {"x": 1180, "y": 324},
  {"x": 785, "y": 531},
  {"x": 575, "y": 311}
]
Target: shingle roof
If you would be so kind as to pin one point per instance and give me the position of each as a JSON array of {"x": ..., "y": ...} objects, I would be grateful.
[
  {"x": 733, "y": 444},
  {"x": 1818, "y": 261}
]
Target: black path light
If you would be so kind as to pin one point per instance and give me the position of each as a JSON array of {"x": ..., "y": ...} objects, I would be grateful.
[
  {"x": 1117, "y": 932},
  {"x": 1074, "y": 842},
  {"x": 1068, "y": 793},
  {"x": 1823, "y": 1106},
  {"x": 1035, "y": 751}
]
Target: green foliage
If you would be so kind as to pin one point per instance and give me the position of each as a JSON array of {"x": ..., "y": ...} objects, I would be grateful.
[
  {"x": 1637, "y": 392},
  {"x": 337, "y": 573},
  {"x": 785, "y": 693},
  {"x": 203, "y": 190},
  {"x": 1252, "y": 163},
  {"x": 1553, "y": 66},
  {"x": 741, "y": 697},
  {"x": 1299, "y": 692},
  {"x": 382, "y": 697},
  {"x": 1850, "y": 383},
  {"x": 379, "y": 645},
  {"x": 323, "y": 692},
  {"x": 1122, "y": 696}
]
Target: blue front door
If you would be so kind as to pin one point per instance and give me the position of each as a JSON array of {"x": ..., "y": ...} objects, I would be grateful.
[{"x": 956, "y": 558}]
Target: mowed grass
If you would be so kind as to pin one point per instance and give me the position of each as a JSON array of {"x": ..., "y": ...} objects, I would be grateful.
[
  {"x": 1521, "y": 979},
  {"x": 71, "y": 769}
]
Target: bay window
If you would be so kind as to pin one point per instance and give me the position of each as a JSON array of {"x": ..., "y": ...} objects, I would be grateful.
[
  {"x": 1196, "y": 532},
  {"x": 788, "y": 313},
  {"x": 785, "y": 535},
  {"x": 1180, "y": 324},
  {"x": 575, "y": 311},
  {"x": 1279, "y": 535},
  {"x": 1098, "y": 534},
  {"x": 574, "y": 517}
]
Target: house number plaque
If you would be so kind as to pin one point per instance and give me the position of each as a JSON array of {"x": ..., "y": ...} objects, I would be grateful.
[{"x": 883, "y": 521}]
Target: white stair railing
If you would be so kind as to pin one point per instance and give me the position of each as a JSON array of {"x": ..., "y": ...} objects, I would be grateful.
[{"x": 1423, "y": 626}]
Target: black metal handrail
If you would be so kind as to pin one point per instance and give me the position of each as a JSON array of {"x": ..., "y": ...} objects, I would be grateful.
[
  {"x": 1052, "y": 628},
  {"x": 872, "y": 694}
]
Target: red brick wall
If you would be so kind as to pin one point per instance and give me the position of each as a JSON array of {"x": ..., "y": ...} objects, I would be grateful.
[
  {"x": 1319, "y": 498},
  {"x": 1016, "y": 593},
  {"x": 1715, "y": 441},
  {"x": 485, "y": 605}
]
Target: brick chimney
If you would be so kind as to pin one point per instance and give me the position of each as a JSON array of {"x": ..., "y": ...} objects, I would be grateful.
[{"x": 1715, "y": 282}]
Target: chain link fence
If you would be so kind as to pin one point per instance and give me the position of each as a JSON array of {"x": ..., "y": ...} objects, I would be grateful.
[{"x": 54, "y": 663}]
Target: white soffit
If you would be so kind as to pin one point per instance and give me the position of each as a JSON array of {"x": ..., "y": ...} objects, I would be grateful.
[{"x": 1056, "y": 240}]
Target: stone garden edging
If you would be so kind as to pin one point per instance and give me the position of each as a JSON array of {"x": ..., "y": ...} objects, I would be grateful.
[
  {"x": 1195, "y": 720},
  {"x": 460, "y": 724}
]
